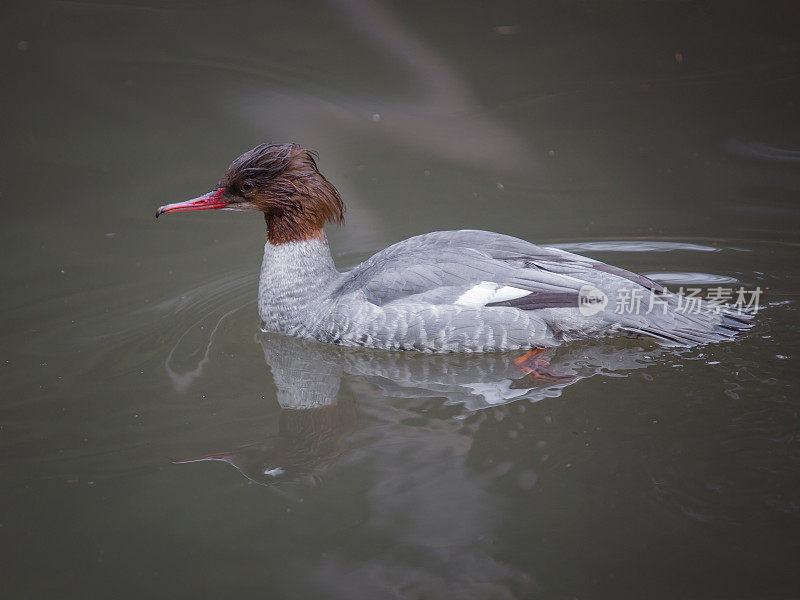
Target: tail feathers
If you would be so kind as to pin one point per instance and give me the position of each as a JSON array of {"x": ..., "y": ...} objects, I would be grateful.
[{"x": 708, "y": 325}]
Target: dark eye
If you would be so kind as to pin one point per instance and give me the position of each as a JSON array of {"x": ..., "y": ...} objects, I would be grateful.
[{"x": 246, "y": 186}]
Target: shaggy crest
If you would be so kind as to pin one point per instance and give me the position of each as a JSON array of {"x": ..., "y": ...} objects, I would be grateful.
[{"x": 282, "y": 181}]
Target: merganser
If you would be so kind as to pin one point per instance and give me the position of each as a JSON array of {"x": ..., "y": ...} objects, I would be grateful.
[{"x": 446, "y": 291}]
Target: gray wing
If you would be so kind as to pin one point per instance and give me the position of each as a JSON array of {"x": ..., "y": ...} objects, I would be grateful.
[{"x": 459, "y": 260}]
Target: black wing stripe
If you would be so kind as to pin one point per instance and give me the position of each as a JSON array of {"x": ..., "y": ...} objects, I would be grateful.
[{"x": 539, "y": 300}]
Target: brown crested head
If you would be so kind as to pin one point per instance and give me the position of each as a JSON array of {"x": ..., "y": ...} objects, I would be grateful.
[{"x": 283, "y": 182}]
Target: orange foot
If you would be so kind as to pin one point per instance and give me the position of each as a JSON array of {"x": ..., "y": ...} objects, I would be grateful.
[{"x": 532, "y": 365}]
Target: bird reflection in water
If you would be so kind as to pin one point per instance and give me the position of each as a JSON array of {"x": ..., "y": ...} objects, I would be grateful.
[
  {"x": 411, "y": 424},
  {"x": 309, "y": 440},
  {"x": 316, "y": 421}
]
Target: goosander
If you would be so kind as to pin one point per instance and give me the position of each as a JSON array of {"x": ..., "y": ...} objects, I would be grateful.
[{"x": 446, "y": 291}]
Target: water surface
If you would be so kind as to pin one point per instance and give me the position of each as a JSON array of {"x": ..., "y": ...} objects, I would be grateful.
[{"x": 155, "y": 443}]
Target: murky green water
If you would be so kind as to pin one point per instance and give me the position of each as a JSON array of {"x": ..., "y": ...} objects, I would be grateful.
[{"x": 130, "y": 346}]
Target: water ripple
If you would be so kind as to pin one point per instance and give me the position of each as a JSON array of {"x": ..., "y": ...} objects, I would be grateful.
[
  {"x": 761, "y": 151},
  {"x": 677, "y": 277}
]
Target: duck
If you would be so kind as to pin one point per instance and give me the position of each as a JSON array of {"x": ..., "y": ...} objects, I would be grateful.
[{"x": 441, "y": 292}]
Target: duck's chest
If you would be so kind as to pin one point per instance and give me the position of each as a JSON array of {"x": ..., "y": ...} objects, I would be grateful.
[{"x": 294, "y": 286}]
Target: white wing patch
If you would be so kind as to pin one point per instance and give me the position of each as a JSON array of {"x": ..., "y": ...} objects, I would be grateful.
[{"x": 487, "y": 292}]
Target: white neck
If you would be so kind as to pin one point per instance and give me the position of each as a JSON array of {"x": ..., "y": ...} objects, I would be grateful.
[{"x": 295, "y": 277}]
